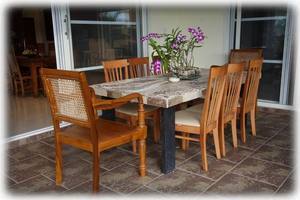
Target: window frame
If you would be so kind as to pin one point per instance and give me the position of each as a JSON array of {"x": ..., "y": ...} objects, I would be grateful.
[
  {"x": 286, "y": 68},
  {"x": 137, "y": 23}
]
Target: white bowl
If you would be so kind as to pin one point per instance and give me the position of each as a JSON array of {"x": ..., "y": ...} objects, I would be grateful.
[{"x": 174, "y": 79}]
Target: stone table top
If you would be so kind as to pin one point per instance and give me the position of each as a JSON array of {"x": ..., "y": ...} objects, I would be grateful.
[{"x": 156, "y": 90}]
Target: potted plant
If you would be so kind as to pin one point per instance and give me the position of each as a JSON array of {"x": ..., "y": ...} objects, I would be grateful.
[{"x": 175, "y": 51}]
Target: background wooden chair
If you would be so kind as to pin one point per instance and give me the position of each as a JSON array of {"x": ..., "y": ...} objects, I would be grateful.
[
  {"x": 206, "y": 121},
  {"x": 118, "y": 70},
  {"x": 115, "y": 70},
  {"x": 245, "y": 55},
  {"x": 21, "y": 81},
  {"x": 139, "y": 67},
  {"x": 72, "y": 101},
  {"x": 249, "y": 98}
]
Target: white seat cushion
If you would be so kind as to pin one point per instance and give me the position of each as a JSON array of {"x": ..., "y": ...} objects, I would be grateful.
[
  {"x": 196, "y": 108},
  {"x": 188, "y": 118},
  {"x": 132, "y": 108}
]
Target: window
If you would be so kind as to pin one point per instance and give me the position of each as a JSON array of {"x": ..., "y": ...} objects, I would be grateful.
[
  {"x": 100, "y": 34},
  {"x": 265, "y": 27}
]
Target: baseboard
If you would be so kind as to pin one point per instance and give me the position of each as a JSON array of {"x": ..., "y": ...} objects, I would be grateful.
[
  {"x": 275, "y": 106},
  {"x": 32, "y": 136}
]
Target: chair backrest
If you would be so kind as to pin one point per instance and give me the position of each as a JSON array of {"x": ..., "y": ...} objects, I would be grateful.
[
  {"x": 213, "y": 98},
  {"x": 138, "y": 67},
  {"x": 245, "y": 55},
  {"x": 232, "y": 91},
  {"x": 251, "y": 85},
  {"x": 69, "y": 96},
  {"x": 115, "y": 70},
  {"x": 14, "y": 65}
]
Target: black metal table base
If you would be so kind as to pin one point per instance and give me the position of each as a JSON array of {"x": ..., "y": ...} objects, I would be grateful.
[{"x": 167, "y": 138}]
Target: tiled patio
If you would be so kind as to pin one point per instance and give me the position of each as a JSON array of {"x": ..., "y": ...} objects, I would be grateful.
[{"x": 264, "y": 165}]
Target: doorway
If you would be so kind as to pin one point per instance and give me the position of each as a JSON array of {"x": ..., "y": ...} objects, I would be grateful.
[{"x": 267, "y": 28}]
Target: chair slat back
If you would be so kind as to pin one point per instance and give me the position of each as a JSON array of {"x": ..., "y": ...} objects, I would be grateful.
[
  {"x": 115, "y": 70},
  {"x": 213, "y": 98},
  {"x": 232, "y": 91},
  {"x": 139, "y": 67},
  {"x": 69, "y": 96},
  {"x": 251, "y": 85},
  {"x": 245, "y": 55},
  {"x": 13, "y": 64}
]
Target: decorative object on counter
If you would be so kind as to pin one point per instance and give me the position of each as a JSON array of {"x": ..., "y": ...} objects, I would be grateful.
[
  {"x": 175, "y": 52},
  {"x": 174, "y": 79},
  {"x": 29, "y": 52}
]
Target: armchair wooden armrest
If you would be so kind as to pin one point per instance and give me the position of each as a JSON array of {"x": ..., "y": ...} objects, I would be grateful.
[{"x": 101, "y": 104}]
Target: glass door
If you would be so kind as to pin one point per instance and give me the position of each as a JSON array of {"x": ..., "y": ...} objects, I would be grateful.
[
  {"x": 95, "y": 34},
  {"x": 257, "y": 27}
]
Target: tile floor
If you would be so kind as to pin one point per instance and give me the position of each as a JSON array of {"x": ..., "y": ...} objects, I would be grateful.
[{"x": 264, "y": 165}]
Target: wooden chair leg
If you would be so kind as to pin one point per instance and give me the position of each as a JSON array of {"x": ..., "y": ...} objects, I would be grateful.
[
  {"x": 234, "y": 132},
  {"x": 156, "y": 126},
  {"x": 221, "y": 137},
  {"x": 58, "y": 162},
  {"x": 187, "y": 142},
  {"x": 96, "y": 171},
  {"x": 132, "y": 122},
  {"x": 252, "y": 119},
  {"x": 22, "y": 88},
  {"x": 183, "y": 142},
  {"x": 142, "y": 150},
  {"x": 243, "y": 127},
  {"x": 203, "y": 152},
  {"x": 217, "y": 144}
]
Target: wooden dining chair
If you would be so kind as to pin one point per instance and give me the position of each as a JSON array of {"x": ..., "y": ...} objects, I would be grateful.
[
  {"x": 249, "y": 98},
  {"x": 117, "y": 70},
  {"x": 71, "y": 100},
  {"x": 245, "y": 55},
  {"x": 228, "y": 110},
  {"x": 138, "y": 67},
  {"x": 21, "y": 82},
  {"x": 206, "y": 121},
  {"x": 229, "y": 104}
]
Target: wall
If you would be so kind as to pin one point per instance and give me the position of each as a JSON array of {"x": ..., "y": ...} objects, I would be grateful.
[
  {"x": 39, "y": 23},
  {"x": 214, "y": 21}
]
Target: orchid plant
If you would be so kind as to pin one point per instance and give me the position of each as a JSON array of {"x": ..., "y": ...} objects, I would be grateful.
[{"x": 175, "y": 52}]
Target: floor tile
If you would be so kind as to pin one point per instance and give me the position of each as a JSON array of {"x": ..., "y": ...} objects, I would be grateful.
[
  {"x": 287, "y": 187},
  {"x": 29, "y": 150},
  {"x": 180, "y": 182},
  {"x": 145, "y": 190},
  {"x": 263, "y": 171},
  {"x": 266, "y": 132},
  {"x": 153, "y": 162},
  {"x": 235, "y": 184},
  {"x": 75, "y": 173},
  {"x": 38, "y": 184},
  {"x": 69, "y": 154},
  {"x": 275, "y": 154},
  {"x": 87, "y": 187},
  {"x": 28, "y": 168},
  {"x": 216, "y": 168},
  {"x": 282, "y": 141},
  {"x": 112, "y": 158},
  {"x": 125, "y": 179},
  {"x": 274, "y": 123},
  {"x": 233, "y": 154}
]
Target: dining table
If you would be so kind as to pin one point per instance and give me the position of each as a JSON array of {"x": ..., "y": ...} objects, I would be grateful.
[
  {"x": 34, "y": 63},
  {"x": 160, "y": 92}
]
